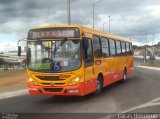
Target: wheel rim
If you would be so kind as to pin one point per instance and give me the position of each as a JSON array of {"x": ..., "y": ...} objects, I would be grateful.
[
  {"x": 124, "y": 77},
  {"x": 98, "y": 85}
]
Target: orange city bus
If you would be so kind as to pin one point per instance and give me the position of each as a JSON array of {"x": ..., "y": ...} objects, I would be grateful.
[{"x": 75, "y": 60}]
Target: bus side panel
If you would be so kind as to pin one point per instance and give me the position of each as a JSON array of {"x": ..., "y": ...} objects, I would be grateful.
[
  {"x": 108, "y": 76},
  {"x": 130, "y": 65},
  {"x": 89, "y": 80},
  {"x": 89, "y": 86},
  {"x": 121, "y": 63}
]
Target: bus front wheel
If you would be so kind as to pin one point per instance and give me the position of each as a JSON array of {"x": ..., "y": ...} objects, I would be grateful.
[{"x": 99, "y": 85}]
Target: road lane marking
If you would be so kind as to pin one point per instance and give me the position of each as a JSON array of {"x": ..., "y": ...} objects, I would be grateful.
[
  {"x": 13, "y": 94},
  {"x": 148, "y": 104},
  {"x": 147, "y": 67},
  {"x": 155, "y": 100}
]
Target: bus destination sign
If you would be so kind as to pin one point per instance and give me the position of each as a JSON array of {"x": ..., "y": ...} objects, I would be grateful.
[{"x": 54, "y": 33}]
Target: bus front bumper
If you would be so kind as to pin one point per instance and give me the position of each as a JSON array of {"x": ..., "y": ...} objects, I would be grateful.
[{"x": 76, "y": 90}]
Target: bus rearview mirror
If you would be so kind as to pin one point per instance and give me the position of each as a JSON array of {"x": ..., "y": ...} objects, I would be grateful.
[{"x": 19, "y": 51}]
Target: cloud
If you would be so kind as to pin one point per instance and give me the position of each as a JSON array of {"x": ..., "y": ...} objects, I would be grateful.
[
  {"x": 8, "y": 46},
  {"x": 18, "y": 16}
]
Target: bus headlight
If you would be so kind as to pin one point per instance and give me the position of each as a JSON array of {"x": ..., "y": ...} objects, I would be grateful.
[
  {"x": 74, "y": 81},
  {"x": 30, "y": 80}
]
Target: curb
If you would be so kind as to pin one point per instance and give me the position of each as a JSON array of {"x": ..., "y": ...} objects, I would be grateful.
[{"x": 147, "y": 67}]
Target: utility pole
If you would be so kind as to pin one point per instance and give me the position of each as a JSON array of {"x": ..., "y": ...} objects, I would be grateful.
[
  {"x": 93, "y": 10},
  {"x": 68, "y": 12}
]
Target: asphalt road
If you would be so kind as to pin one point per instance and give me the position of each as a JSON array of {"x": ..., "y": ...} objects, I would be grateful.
[{"x": 140, "y": 93}]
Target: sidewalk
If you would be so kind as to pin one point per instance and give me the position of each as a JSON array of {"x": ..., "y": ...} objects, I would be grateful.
[
  {"x": 138, "y": 56},
  {"x": 12, "y": 83},
  {"x": 10, "y": 86},
  {"x": 153, "y": 65}
]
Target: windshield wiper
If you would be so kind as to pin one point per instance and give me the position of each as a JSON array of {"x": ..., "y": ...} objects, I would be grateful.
[{"x": 60, "y": 44}]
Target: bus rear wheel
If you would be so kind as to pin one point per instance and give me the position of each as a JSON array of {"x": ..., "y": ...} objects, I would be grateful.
[
  {"x": 124, "y": 75},
  {"x": 99, "y": 85}
]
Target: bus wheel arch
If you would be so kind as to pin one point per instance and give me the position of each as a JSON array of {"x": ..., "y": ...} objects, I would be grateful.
[{"x": 99, "y": 84}]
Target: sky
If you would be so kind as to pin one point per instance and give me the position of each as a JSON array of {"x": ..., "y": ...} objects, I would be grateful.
[{"x": 136, "y": 19}]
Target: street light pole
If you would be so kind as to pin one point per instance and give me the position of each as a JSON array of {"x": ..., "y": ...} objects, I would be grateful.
[
  {"x": 68, "y": 12},
  {"x": 153, "y": 42},
  {"x": 109, "y": 23},
  {"x": 145, "y": 48},
  {"x": 94, "y": 10},
  {"x": 93, "y": 15},
  {"x": 145, "y": 60}
]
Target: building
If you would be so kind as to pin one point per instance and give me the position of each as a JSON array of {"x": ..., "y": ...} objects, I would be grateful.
[{"x": 11, "y": 60}]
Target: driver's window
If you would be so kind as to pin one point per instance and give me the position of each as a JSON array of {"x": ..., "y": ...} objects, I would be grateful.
[{"x": 88, "y": 54}]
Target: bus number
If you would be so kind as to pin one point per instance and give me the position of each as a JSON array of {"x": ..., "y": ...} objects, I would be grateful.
[{"x": 64, "y": 76}]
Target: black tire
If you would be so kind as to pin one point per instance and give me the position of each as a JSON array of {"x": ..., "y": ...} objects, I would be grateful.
[
  {"x": 124, "y": 75},
  {"x": 99, "y": 85}
]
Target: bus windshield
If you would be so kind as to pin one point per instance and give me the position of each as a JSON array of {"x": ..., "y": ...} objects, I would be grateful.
[{"x": 54, "y": 56}]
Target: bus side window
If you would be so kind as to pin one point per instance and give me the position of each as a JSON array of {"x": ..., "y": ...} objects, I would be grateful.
[
  {"x": 97, "y": 47},
  {"x": 127, "y": 48},
  {"x": 105, "y": 47},
  {"x": 123, "y": 48},
  {"x": 88, "y": 54},
  {"x": 131, "y": 50},
  {"x": 112, "y": 47},
  {"x": 118, "y": 47}
]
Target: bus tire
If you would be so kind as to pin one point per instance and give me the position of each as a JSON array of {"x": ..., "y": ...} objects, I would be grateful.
[
  {"x": 124, "y": 75},
  {"x": 99, "y": 85}
]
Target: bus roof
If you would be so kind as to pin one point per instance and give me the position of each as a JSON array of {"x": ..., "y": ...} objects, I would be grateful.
[{"x": 88, "y": 30}]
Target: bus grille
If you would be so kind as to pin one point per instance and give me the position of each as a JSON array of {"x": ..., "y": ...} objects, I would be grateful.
[
  {"x": 53, "y": 89},
  {"x": 50, "y": 78},
  {"x": 49, "y": 84}
]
